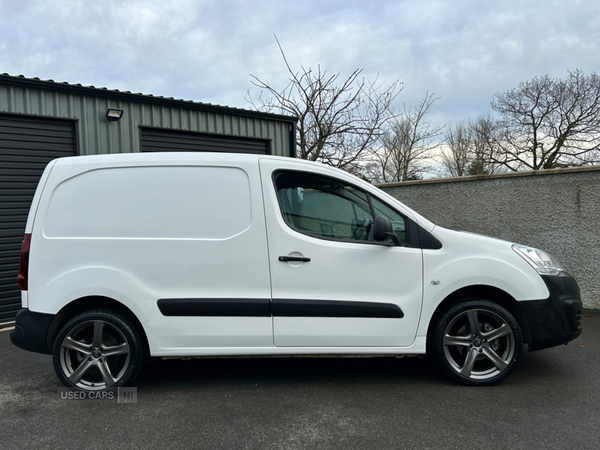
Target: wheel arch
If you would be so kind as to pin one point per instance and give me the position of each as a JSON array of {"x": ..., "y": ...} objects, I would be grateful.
[
  {"x": 484, "y": 292},
  {"x": 88, "y": 303}
]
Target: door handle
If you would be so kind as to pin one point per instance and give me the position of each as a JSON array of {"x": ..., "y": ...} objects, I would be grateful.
[{"x": 294, "y": 258}]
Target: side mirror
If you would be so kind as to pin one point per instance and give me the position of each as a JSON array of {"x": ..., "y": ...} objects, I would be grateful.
[{"x": 383, "y": 233}]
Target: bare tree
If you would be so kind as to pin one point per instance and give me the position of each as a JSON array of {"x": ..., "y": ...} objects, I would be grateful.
[
  {"x": 548, "y": 122},
  {"x": 406, "y": 145},
  {"x": 471, "y": 148},
  {"x": 456, "y": 157},
  {"x": 340, "y": 119},
  {"x": 484, "y": 132}
]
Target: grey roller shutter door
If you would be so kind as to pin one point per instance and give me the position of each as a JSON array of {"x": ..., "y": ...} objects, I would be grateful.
[
  {"x": 160, "y": 140},
  {"x": 27, "y": 145}
]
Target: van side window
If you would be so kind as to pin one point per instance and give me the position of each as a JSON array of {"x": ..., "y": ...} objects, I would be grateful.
[{"x": 324, "y": 207}]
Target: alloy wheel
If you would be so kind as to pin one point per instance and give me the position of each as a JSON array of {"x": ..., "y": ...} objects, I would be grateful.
[
  {"x": 94, "y": 355},
  {"x": 479, "y": 344}
]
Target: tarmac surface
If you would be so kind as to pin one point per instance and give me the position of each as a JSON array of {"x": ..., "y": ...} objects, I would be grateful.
[{"x": 552, "y": 401}]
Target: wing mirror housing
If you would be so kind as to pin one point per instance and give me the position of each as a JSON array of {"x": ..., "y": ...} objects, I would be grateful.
[{"x": 383, "y": 233}]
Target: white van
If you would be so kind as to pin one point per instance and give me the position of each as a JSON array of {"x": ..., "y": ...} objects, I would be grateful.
[{"x": 132, "y": 256}]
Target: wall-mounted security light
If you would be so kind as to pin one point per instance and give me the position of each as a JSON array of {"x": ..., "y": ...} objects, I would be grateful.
[{"x": 113, "y": 115}]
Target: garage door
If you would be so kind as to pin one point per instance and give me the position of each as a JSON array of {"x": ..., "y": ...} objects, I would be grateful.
[
  {"x": 159, "y": 140},
  {"x": 27, "y": 144}
]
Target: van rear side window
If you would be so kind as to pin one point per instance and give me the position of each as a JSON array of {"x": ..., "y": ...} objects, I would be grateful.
[{"x": 151, "y": 202}]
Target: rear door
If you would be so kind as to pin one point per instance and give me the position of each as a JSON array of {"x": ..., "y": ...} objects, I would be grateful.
[{"x": 332, "y": 285}]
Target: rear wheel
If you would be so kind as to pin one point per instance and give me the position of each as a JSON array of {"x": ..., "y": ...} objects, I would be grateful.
[
  {"x": 477, "y": 342},
  {"x": 98, "y": 350}
]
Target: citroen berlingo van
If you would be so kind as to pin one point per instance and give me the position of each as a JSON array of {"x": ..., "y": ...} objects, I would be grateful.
[{"x": 132, "y": 256}]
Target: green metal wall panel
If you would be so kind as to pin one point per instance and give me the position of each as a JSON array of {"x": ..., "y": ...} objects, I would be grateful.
[{"x": 97, "y": 135}]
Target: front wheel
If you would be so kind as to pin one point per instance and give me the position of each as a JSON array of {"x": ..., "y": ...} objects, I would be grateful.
[
  {"x": 477, "y": 342},
  {"x": 98, "y": 350}
]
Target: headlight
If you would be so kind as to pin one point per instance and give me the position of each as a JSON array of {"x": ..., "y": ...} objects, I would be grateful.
[{"x": 542, "y": 262}]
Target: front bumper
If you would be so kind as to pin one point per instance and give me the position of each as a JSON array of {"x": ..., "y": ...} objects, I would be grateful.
[
  {"x": 557, "y": 319},
  {"x": 31, "y": 331}
]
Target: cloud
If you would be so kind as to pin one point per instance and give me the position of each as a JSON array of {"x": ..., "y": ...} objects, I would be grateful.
[{"x": 205, "y": 51}]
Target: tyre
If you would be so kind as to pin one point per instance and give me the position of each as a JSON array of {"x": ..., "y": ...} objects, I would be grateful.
[
  {"x": 98, "y": 350},
  {"x": 477, "y": 342}
]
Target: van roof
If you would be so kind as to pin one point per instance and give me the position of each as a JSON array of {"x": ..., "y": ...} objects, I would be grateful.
[
  {"x": 175, "y": 157},
  {"x": 159, "y": 157}
]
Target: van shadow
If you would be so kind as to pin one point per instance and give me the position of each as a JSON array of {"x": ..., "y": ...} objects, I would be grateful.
[
  {"x": 316, "y": 371},
  {"x": 287, "y": 371}
]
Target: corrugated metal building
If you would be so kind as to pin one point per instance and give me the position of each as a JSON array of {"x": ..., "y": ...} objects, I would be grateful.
[{"x": 42, "y": 120}]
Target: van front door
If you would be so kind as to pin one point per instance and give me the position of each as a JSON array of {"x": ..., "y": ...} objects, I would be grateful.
[{"x": 332, "y": 284}]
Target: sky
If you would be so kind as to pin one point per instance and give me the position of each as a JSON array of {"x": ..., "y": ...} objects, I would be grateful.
[{"x": 464, "y": 51}]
